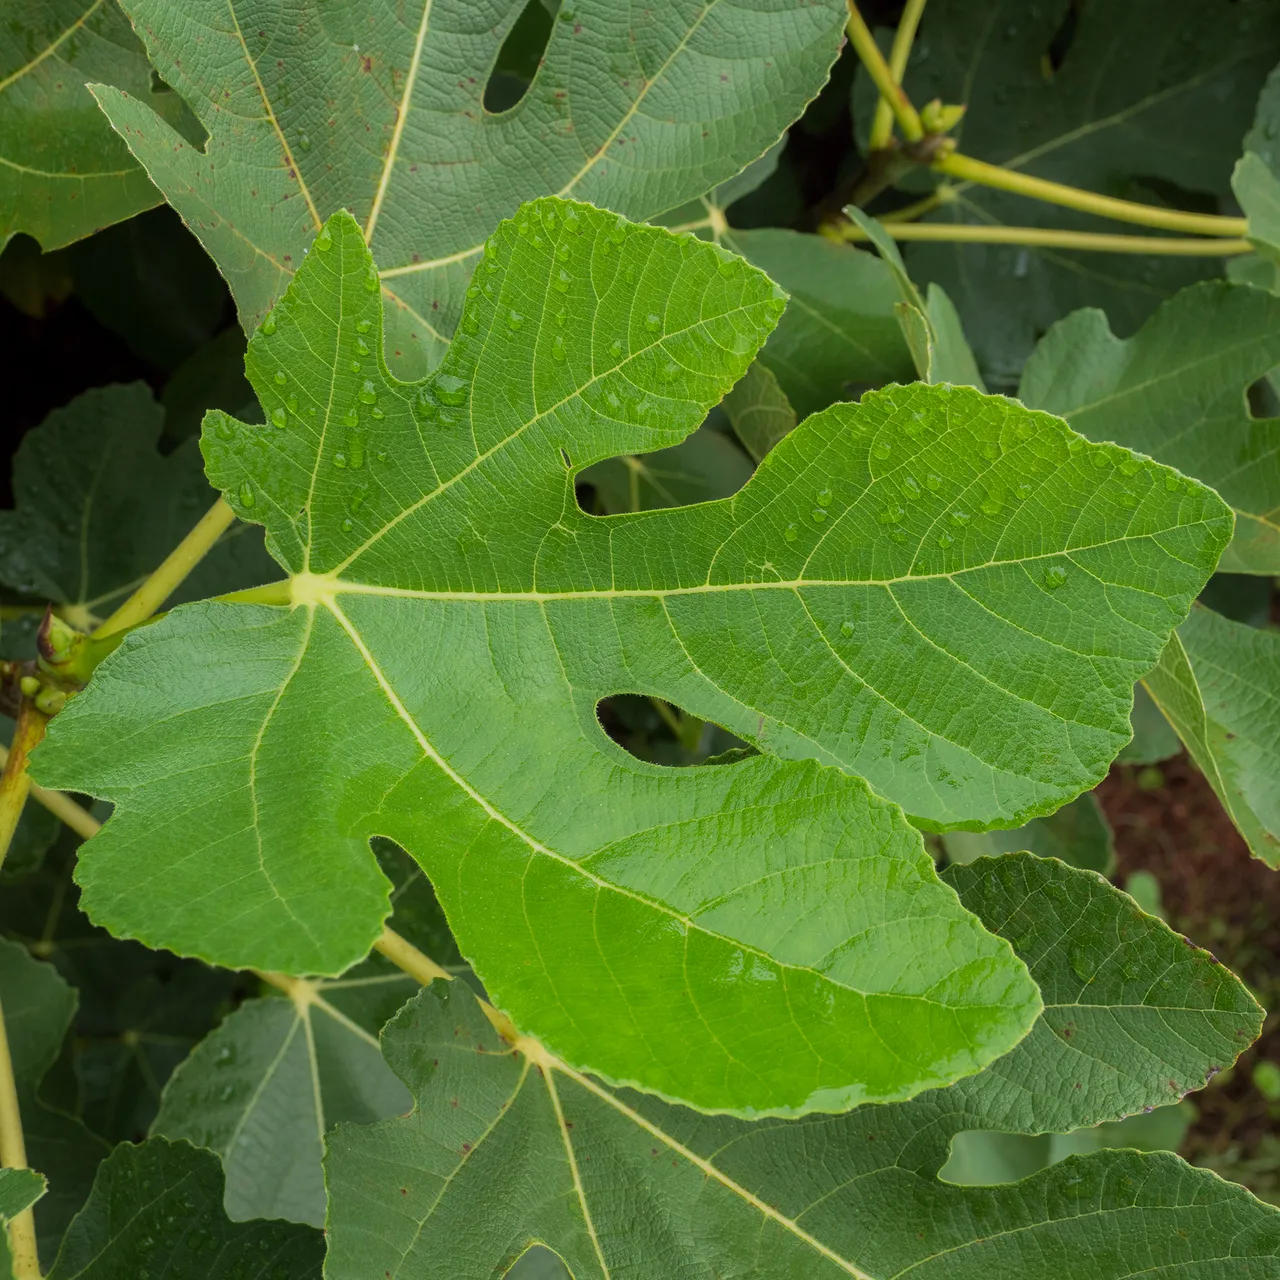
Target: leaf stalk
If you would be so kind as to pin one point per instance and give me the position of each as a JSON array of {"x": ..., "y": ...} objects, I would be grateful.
[
  {"x": 882, "y": 121},
  {"x": 880, "y": 72},
  {"x": 166, "y": 579},
  {"x": 15, "y": 782}
]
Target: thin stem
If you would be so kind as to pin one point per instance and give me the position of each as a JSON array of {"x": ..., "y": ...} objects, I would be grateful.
[
  {"x": 991, "y": 175},
  {"x": 13, "y": 1155},
  {"x": 422, "y": 968},
  {"x": 890, "y": 90},
  {"x": 882, "y": 121},
  {"x": 161, "y": 584},
  {"x": 1043, "y": 238},
  {"x": 61, "y": 805},
  {"x": 15, "y": 783},
  {"x": 910, "y": 212}
]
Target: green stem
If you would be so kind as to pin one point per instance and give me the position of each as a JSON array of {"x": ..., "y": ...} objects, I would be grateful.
[
  {"x": 882, "y": 121},
  {"x": 161, "y": 584},
  {"x": 1044, "y": 238},
  {"x": 890, "y": 90},
  {"x": 991, "y": 175},
  {"x": 14, "y": 786},
  {"x": 61, "y": 805}
]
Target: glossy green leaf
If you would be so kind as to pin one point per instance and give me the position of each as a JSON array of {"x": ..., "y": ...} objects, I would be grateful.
[
  {"x": 637, "y": 111},
  {"x": 620, "y": 1184},
  {"x": 931, "y": 329},
  {"x": 1176, "y": 390},
  {"x": 759, "y": 411},
  {"x": 98, "y": 507},
  {"x": 1078, "y": 834},
  {"x": 1148, "y": 104},
  {"x": 266, "y": 1086},
  {"x": 831, "y": 568},
  {"x": 63, "y": 172},
  {"x": 38, "y": 1008},
  {"x": 1218, "y": 682},
  {"x": 156, "y": 1209}
]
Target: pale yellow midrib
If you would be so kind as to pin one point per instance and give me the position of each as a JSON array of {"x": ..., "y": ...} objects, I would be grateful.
[{"x": 402, "y": 114}]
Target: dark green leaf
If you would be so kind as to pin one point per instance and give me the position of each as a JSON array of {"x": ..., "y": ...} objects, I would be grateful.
[
  {"x": 759, "y": 410},
  {"x": 1078, "y": 834},
  {"x": 156, "y": 1210}
]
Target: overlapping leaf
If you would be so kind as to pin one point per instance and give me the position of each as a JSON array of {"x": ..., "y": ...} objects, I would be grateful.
[
  {"x": 19, "y": 1190},
  {"x": 1148, "y": 103},
  {"x": 156, "y": 1210},
  {"x": 507, "y": 1146},
  {"x": 97, "y": 507},
  {"x": 1078, "y": 833},
  {"x": 1176, "y": 390},
  {"x": 1218, "y": 683},
  {"x": 936, "y": 589},
  {"x": 63, "y": 172},
  {"x": 637, "y": 110}
]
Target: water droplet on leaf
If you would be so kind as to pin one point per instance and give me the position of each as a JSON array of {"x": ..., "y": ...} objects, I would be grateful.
[
  {"x": 247, "y": 497},
  {"x": 1054, "y": 576},
  {"x": 279, "y": 418},
  {"x": 652, "y": 322}
]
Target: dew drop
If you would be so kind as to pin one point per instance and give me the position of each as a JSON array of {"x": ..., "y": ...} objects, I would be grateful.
[
  {"x": 269, "y": 324},
  {"x": 615, "y": 349},
  {"x": 362, "y": 347},
  {"x": 225, "y": 429},
  {"x": 562, "y": 281},
  {"x": 1080, "y": 964},
  {"x": 377, "y": 413},
  {"x": 1101, "y": 461},
  {"x": 347, "y": 526},
  {"x": 451, "y": 389},
  {"x": 558, "y": 353},
  {"x": 340, "y": 460},
  {"x": 612, "y": 400},
  {"x": 945, "y": 540},
  {"x": 629, "y": 273},
  {"x": 823, "y": 498},
  {"x": 652, "y": 322},
  {"x": 991, "y": 505},
  {"x": 1024, "y": 491},
  {"x": 562, "y": 317},
  {"x": 471, "y": 322},
  {"x": 562, "y": 251},
  {"x": 1171, "y": 482},
  {"x": 892, "y": 514},
  {"x": 572, "y": 224},
  {"x": 355, "y": 448},
  {"x": 304, "y": 142},
  {"x": 247, "y": 498},
  {"x": 817, "y": 515},
  {"x": 791, "y": 532},
  {"x": 324, "y": 241},
  {"x": 991, "y": 450},
  {"x": 355, "y": 366},
  {"x": 618, "y": 232},
  {"x": 881, "y": 450},
  {"x": 1054, "y": 576},
  {"x": 668, "y": 371},
  {"x": 291, "y": 403},
  {"x": 363, "y": 326},
  {"x": 358, "y": 500},
  {"x": 911, "y": 487},
  {"x": 515, "y": 320},
  {"x": 960, "y": 518},
  {"x": 473, "y": 290},
  {"x": 846, "y": 629},
  {"x": 281, "y": 377},
  {"x": 371, "y": 282},
  {"x": 933, "y": 482},
  {"x": 1023, "y": 429},
  {"x": 279, "y": 418}
]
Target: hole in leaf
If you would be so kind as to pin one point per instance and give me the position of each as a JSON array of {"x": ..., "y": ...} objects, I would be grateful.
[
  {"x": 659, "y": 732},
  {"x": 520, "y": 56}
]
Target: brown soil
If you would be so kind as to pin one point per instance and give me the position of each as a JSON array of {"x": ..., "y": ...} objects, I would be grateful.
[{"x": 1168, "y": 822}]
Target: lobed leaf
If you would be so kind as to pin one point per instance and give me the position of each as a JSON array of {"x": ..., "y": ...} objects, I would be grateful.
[
  {"x": 637, "y": 110},
  {"x": 1218, "y": 683},
  {"x": 1176, "y": 390},
  {"x": 507, "y": 1146}
]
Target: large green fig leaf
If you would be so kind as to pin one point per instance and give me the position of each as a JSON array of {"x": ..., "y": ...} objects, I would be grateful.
[
  {"x": 63, "y": 173},
  {"x": 939, "y": 590},
  {"x": 1176, "y": 390},
  {"x": 156, "y": 1210},
  {"x": 1148, "y": 103},
  {"x": 620, "y": 1184},
  {"x": 634, "y": 109},
  {"x": 1218, "y": 682}
]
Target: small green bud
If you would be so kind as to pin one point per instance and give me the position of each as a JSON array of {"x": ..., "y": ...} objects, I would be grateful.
[{"x": 938, "y": 117}]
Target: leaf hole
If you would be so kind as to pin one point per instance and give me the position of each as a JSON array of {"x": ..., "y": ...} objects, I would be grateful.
[
  {"x": 520, "y": 56},
  {"x": 657, "y": 731}
]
